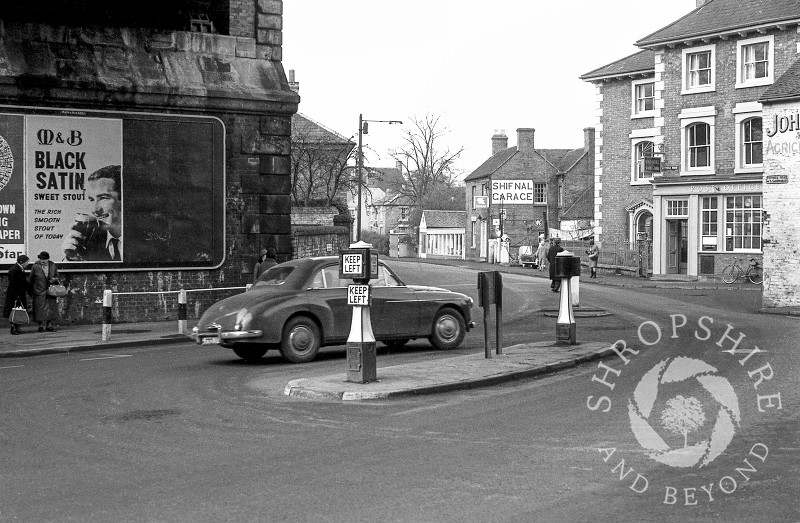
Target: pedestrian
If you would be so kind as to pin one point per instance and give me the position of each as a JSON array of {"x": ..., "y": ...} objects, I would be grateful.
[
  {"x": 45, "y": 307},
  {"x": 541, "y": 253},
  {"x": 594, "y": 255},
  {"x": 17, "y": 291},
  {"x": 265, "y": 261},
  {"x": 555, "y": 283}
]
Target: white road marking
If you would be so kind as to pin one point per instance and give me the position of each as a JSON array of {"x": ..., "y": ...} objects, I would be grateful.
[
  {"x": 108, "y": 357},
  {"x": 12, "y": 367}
]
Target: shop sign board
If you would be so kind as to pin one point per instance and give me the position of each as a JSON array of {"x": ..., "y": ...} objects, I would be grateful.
[{"x": 777, "y": 178}]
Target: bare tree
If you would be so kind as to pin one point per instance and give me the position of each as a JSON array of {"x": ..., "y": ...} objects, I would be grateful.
[
  {"x": 428, "y": 164},
  {"x": 682, "y": 416},
  {"x": 319, "y": 167}
]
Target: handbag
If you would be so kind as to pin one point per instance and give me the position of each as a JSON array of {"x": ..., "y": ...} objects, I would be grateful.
[
  {"x": 57, "y": 290},
  {"x": 18, "y": 314}
]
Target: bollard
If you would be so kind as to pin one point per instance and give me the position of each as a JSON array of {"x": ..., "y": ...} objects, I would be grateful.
[
  {"x": 575, "y": 283},
  {"x": 567, "y": 266},
  {"x": 182, "y": 311},
  {"x": 360, "y": 264},
  {"x": 107, "y": 300}
]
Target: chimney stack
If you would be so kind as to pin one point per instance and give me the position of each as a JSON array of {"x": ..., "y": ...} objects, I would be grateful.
[
  {"x": 588, "y": 139},
  {"x": 294, "y": 86},
  {"x": 701, "y": 3},
  {"x": 525, "y": 140},
  {"x": 499, "y": 141}
]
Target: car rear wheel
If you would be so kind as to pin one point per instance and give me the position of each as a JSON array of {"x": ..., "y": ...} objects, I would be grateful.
[
  {"x": 252, "y": 353},
  {"x": 449, "y": 329},
  {"x": 301, "y": 340}
]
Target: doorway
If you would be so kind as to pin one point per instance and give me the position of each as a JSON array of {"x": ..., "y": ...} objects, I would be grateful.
[{"x": 677, "y": 246}]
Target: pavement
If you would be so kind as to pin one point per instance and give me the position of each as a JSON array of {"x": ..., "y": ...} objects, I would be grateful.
[{"x": 518, "y": 361}]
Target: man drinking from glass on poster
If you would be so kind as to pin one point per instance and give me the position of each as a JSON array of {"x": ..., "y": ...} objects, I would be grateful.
[{"x": 97, "y": 235}]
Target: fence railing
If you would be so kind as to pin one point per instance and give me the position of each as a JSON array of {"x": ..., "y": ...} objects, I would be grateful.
[
  {"x": 633, "y": 256},
  {"x": 109, "y": 295}
]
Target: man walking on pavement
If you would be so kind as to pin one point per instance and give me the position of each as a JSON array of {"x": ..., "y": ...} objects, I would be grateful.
[{"x": 555, "y": 283}]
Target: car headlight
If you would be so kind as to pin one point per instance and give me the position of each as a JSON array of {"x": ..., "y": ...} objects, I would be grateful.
[{"x": 237, "y": 327}]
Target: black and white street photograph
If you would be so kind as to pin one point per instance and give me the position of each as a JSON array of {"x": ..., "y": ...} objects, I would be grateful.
[{"x": 430, "y": 261}]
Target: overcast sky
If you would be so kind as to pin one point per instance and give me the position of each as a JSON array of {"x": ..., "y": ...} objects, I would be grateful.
[{"x": 480, "y": 66}]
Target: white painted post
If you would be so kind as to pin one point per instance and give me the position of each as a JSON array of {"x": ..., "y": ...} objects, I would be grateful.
[{"x": 108, "y": 298}]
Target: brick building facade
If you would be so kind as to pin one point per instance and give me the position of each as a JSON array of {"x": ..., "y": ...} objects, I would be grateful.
[
  {"x": 689, "y": 101},
  {"x": 545, "y": 187},
  {"x": 162, "y": 66}
]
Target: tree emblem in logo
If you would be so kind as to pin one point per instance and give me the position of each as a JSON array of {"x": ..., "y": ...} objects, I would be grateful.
[
  {"x": 6, "y": 163},
  {"x": 683, "y": 415}
]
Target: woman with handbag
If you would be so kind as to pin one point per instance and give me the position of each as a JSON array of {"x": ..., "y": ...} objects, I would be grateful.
[
  {"x": 17, "y": 294},
  {"x": 45, "y": 308}
]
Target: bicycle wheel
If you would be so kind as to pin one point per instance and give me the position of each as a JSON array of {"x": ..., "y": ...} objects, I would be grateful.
[
  {"x": 730, "y": 274},
  {"x": 755, "y": 275}
]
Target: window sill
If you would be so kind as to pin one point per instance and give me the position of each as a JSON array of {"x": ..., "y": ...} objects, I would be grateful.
[
  {"x": 642, "y": 183},
  {"x": 749, "y": 170},
  {"x": 754, "y": 83},
  {"x": 697, "y": 90},
  {"x": 698, "y": 172},
  {"x": 645, "y": 114}
]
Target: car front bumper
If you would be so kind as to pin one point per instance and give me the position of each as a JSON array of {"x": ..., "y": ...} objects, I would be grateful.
[{"x": 214, "y": 334}]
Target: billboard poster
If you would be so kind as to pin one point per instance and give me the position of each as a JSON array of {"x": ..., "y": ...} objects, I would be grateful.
[
  {"x": 74, "y": 178},
  {"x": 118, "y": 191},
  {"x": 12, "y": 190}
]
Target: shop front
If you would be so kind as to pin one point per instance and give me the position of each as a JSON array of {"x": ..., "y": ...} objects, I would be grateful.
[{"x": 701, "y": 223}]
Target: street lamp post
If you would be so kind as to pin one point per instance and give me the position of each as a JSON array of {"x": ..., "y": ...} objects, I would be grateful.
[{"x": 362, "y": 130}]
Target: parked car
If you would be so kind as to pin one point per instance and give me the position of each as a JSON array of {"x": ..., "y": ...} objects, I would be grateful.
[
  {"x": 527, "y": 257},
  {"x": 301, "y": 305}
]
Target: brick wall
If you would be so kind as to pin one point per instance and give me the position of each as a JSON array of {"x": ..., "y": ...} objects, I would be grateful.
[
  {"x": 616, "y": 190},
  {"x": 724, "y": 98},
  {"x": 781, "y": 225}
]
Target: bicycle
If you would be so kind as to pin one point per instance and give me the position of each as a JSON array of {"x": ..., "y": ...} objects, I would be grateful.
[{"x": 732, "y": 272}]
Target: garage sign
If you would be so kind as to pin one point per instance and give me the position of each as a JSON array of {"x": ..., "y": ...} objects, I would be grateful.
[{"x": 358, "y": 295}]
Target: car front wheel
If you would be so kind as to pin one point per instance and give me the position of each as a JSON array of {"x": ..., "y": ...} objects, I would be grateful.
[
  {"x": 448, "y": 329},
  {"x": 301, "y": 340}
]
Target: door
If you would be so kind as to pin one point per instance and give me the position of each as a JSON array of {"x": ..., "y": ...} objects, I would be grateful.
[
  {"x": 483, "y": 238},
  {"x": 395, "y": 309},
  {"x": 677, "y": 246}
]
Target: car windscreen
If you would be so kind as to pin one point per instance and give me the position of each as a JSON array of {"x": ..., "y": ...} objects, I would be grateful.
[{"x": 275, "y": 275}]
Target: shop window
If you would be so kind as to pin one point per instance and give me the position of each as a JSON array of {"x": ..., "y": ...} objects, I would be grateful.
[
  {"x": 709, "y": 223},
  {"x": 755, "y": 61},
  {"x": 743, "y": 222},
  {"x": 698, "y": 69}
]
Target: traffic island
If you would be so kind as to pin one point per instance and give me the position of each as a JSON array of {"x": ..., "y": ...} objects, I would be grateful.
[{"x": 449, "y": 374}]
